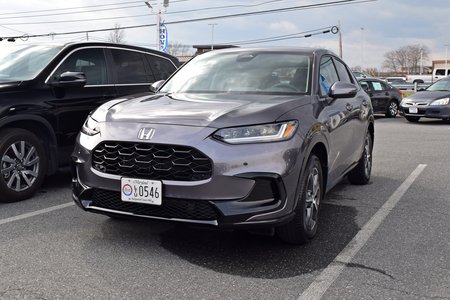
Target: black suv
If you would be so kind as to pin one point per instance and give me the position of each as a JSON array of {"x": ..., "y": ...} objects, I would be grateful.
[{"x": 47, "y": 91}]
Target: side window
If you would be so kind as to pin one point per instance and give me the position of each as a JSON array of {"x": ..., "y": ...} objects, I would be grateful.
[
  {"x": 365, "y": 86},
  {"x": 378, "y": 86},
  {"x": 343, "y": 72},
  {"x": 161, "y": 68},
  {"x": 90, "y": 61},
  {"x": 129, "y": 67},
  {"x": 440, "y": 72},
  {"x": 327, "y": 76}
]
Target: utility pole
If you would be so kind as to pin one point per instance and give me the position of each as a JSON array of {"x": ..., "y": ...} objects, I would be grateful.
[
  {"x": 158, "y": 20},
  {"x": 212, "y": 35},
  {"x": 340, "y": 40}
]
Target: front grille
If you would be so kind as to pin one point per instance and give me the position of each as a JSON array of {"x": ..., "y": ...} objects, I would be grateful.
[
  {"x": 151, "y": 161},
  {"x": 170, "y": 208}
]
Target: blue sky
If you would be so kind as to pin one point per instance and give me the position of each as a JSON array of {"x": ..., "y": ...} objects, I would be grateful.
[{"x": 369, "y": 29}]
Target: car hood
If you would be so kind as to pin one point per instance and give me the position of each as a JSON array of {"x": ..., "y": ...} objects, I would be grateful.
[
  {"x": 428, "y": 96},
  {"x": 212, "y": 110}
]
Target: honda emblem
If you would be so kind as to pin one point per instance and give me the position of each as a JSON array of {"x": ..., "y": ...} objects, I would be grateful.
[{"x": 146, "y": 133}]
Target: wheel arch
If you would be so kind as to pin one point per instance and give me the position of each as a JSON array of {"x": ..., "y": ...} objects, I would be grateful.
[{"x": 42, "y": 129}]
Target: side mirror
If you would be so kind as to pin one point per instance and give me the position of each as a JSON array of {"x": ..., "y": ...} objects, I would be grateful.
[
  {"x": 154, "y": 87},
  {"x": 343, "y": 90},
  {"x": 69, "y": 79}
]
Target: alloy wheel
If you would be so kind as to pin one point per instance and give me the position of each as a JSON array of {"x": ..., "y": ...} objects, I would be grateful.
[
  {"x": 313, "y": 194},
  {"x": 393, "y": 109},
  {"x": 367, "y": 156},
  {"x": 20, "y": 166}
]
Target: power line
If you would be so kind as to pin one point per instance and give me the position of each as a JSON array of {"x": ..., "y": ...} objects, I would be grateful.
[
  {"x": 304, "y": 34},
  {"x": 286, "y": 9},
  {"x": 77, "y": 7},
  {"x": 277, "y": 10},
  {"x": 69, "y": 13},
  {"x": 120, "y": 17},
  {"x": 68, "y": 8}
]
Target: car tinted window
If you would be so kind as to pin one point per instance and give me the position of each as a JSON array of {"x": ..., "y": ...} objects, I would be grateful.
[
  {"x": 90, "y": 61},
  {"x": 129, "y": 67},
  {"x": 161, "y": 67},
  {"x": 440, "y": 72},
  {"x": 343, "y": 72},
  {"x": 328, "y": 75},
  {"x": 365, "y": 86}
]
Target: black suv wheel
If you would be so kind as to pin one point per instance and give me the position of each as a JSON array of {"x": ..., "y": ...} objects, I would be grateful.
[{"x": 23, "y": 164}]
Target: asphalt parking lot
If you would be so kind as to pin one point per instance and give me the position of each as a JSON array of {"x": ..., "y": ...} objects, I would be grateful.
[{"x": 387, "y": 240}]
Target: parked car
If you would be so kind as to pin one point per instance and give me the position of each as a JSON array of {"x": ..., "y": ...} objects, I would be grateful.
[
  {"x": 235, "y": 138},
  {"x": 385, "y": 98},
  {"x": 433, "y": 102},
  {"x": 46, "y": 93},
  {"x": 361, "y": 75}
]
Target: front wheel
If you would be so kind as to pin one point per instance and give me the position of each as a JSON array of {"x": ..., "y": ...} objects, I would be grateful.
[
  {"x": 413, "y": 119},
  {"x": 303, "y": 227},
  {"x": 392, "y": 109},
  {"x": 23, "y": 164},
  {"x": 361, "y": 173}
]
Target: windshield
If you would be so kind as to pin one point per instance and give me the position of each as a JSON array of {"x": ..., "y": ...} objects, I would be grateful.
[
  {"x": 243, "y": 72},
  {"x": 24, "y": 62},
  {"x": 441, "y": 85}
]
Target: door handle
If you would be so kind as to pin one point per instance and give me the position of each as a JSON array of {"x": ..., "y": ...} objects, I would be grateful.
[{"x": 349, "y": 107}]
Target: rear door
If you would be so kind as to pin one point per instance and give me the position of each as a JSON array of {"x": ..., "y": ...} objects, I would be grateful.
[
  {"x": 379, "y": 94},
  {"x": 130, "y": 75}
]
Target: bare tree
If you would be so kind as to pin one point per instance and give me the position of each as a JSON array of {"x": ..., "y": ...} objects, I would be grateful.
[
  {"x": 178, "y": 49},
  {"x": 117, "y": 35},
  {"x": 406, "y": 59}
]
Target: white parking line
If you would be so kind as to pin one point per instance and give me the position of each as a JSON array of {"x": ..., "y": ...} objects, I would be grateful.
[
  {"x": 323, "y": 282},
  {"x": 35, "y": 213}
]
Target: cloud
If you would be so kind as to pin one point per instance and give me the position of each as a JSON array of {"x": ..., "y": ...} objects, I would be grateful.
[{"x": 285, "y": 26}]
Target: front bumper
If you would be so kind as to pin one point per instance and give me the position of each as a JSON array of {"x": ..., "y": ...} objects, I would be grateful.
[
  {"x": 251, "y": 185},
  {"x": 428, "y": 111}
]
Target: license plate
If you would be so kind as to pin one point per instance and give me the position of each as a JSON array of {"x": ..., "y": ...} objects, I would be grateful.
[
  {"x": 141, "y": 191},
  {"x": 413, "y": 110}
]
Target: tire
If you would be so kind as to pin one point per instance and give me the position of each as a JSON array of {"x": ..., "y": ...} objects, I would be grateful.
[
  {"x": 392, "y": 110},
  {"x": 361, "y": 173},
  {"x": 23, "y": 164},
  {"x": 303, "y": 227},
  {"x": 413, "y": 119}
]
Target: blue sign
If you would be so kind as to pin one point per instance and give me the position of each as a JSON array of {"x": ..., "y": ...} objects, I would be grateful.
[{"x": 163, "y": 38}]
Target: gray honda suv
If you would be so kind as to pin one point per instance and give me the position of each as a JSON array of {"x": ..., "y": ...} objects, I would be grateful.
[{"x": 237, "y": 138}]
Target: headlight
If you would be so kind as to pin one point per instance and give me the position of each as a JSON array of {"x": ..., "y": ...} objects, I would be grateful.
[
  {"x": 258, "y": 133},
  {"x": 404, "y": 100},
  {"x": 443, "y": 101},
  {"x": 90, "y": 127}
]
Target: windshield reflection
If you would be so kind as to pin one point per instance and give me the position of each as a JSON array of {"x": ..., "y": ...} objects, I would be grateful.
[{"x": 24, "y": 62}]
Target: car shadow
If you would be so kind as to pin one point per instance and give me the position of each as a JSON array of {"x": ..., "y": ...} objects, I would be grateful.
[
  {"x": 429, "y": 122},
  {"x": 61, "y": 179},
  {"x": 251, "y": 255}
]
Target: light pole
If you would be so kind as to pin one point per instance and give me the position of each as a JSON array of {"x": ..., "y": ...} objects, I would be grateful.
[
  {"x": 212, "y": 35},
  {"x": 362, "y": 47},
  {"x": 446, "y": 52}
]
